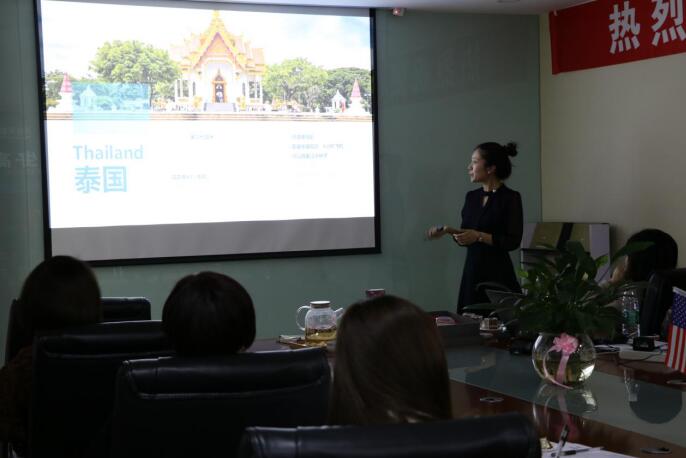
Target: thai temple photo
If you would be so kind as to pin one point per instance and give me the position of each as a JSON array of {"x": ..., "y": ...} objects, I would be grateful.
[
  {"x": 215, "y": 71},
  {"x": 220, "y": 71}
]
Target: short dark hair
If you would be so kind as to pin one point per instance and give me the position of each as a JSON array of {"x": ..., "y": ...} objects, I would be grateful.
[
  {"x": 390, "y": 365},
  {"x": 209, "y": 314},
  {"x": 498, "y": 155},
  {"x": 61, "y": 291},
  {"x": 661, "y": 255}
]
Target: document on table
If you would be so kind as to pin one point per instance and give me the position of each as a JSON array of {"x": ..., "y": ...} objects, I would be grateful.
[{"x": 570, "y": 446}]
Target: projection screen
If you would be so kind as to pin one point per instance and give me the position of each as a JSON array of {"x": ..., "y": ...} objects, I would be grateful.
[{"x": 183, "y": 130}]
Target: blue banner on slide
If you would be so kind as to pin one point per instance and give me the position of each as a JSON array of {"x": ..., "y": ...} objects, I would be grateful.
[{"x": 97, "y": 100}]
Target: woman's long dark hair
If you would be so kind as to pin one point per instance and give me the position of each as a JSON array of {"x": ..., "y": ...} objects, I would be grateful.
[{"x": 390, "y": 365}]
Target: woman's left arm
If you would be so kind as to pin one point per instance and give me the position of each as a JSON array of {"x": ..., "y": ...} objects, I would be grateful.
[{"x": 511, "y": 237}]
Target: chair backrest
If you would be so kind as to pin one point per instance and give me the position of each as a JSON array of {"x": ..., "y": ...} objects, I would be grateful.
[
  {"x": 503, "y": 298},
  {"x": 199, "y": 407},
  {"x": 125, "y": 309},
  {"x": 113, "y": 309},
  {"x": 74, "y": 374},
  {"x": 511, "y": 435},
  {"x": 658, "y": 299},
  {"x": 17, "y": 336}
]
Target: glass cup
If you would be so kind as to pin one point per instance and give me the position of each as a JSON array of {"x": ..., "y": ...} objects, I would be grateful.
[{"x": 374, "y": 292}]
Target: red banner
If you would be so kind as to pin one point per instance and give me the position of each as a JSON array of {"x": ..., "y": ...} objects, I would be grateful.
[{"x": 608, "y": 32}]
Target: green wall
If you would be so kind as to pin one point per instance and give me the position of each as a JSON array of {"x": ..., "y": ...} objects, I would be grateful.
[{"x": 446, "y": 82}]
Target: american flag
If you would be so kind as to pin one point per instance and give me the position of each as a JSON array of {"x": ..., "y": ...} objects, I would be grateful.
[{"x": 676, "y": 355}]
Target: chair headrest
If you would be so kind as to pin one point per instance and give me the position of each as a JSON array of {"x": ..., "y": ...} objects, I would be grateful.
[
  {"x": 125, "y": 308},
  {"x": 243, "y": 372},
  {"x": 104, "y": 339},
  {"x": 510, "y": 435},
  {"x": 658, "y": 298},
  {"x": 677, "y": 276},
  {"x": 125, "y": 300}
]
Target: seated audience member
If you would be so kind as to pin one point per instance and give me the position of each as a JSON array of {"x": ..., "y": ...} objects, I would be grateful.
[
  {"x": 206, "y": 314},
  {"x": 639, "y": 266},
  {"x": 209, "y": 314},
  {"x": 60, "y": 292},
  {"x": 390, "y": 366}
]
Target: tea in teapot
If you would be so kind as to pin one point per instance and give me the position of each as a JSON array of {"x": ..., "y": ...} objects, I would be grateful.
[{"x": 320, "y": 321}]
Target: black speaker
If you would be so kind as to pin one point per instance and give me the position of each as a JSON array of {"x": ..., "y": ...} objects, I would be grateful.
[{"x": 644, "y": 343}]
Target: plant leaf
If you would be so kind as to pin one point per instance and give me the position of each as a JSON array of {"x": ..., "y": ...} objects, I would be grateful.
[{"x": 631, "y": 248}]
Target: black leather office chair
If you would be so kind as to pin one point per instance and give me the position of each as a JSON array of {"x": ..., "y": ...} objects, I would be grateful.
[
  {"x": 74, "y": 378},
  {"x": 199, "y": 407},
  {"x": 658, "y": 299},
  {"x": 487, "y": 308},
  {"x": 125, "y": 309},
  {"x": 510, "y": 435},
  {"x": 113, "y": 309}
]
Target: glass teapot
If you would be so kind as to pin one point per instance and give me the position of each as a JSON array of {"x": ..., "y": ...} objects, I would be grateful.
[{"x": 320, "y": 321}]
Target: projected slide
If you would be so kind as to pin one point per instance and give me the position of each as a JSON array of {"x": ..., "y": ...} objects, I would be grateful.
[{"x": 174, "y": 132}]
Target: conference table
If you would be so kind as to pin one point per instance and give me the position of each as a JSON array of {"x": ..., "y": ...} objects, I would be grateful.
[{"x": 625, "y": 406}]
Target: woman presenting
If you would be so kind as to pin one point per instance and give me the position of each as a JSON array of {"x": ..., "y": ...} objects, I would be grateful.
[{"x": 491, "y": 224}]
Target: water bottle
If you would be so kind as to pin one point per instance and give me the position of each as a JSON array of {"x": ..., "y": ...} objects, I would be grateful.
[{"x": 630, "y": 311}]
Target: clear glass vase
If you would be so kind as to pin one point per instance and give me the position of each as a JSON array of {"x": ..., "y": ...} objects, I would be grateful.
[{"x": 563, "y": 359}]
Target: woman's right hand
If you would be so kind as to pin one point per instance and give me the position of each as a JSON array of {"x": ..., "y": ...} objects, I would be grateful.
[{"x": 435, "y": 232}]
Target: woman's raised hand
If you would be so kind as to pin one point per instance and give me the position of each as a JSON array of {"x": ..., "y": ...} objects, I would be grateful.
[{"x": 435, "y": 232}]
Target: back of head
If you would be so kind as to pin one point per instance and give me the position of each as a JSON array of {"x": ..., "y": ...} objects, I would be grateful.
[
  {"x": 390, "y": 365},
  {"x": 495, "y": 154},
  {"x": 60, "y": 292},
  {"x": 209, "y": 314},
  {"x": 661, "y": 255}
]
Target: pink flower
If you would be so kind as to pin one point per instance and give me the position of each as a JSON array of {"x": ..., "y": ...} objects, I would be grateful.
[{"x": 565, "y": 343}]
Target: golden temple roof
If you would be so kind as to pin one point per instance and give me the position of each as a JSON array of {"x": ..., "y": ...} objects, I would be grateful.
[{"x": 217, "y": 41}]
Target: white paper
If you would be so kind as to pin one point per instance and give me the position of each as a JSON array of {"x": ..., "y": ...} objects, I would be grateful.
[{"x": 591, "y": 454}]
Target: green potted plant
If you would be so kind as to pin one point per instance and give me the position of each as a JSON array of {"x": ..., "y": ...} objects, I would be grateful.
[{"x": 565, "y": 305}]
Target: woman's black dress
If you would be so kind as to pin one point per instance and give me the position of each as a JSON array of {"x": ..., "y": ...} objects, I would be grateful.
[{"x": 501, "y": 217}]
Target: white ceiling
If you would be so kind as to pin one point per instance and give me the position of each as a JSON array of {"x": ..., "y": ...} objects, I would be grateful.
[{"x": 463, "y": 6}]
